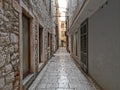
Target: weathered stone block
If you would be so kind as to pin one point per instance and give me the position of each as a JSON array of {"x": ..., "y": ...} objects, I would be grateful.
[
  {"x": 6, "y": 6},
  {"x": 9, "y": 78},
  {"x": 2, "y": 83},
  {"x": 8, "y": 14},
  {"x": 14, "y": 62},
  {"x": 8, "y": 26},
  {"x": 8, "y": 59},
  {"x": 1, "y": 22},
  {"x": 15, "y": 31},
  {"x": 16, "y": 47},
  {"x": 16, "y": 24},
  {"x": 15, "y": 56},
  {"x": 3, "y": 72},
  {"x": 16, "y": 6},
  {"x": 5, "y": 19},
  {"x": 5, "y": 49},
  {"x": 8, "y": 68},
  {"x": 8, "y": 87},
  {"x": 15, "y": 28},
  {"x": 15, "y": 19},
  {"x": 2, "y": 34},
  {"x": 2, "y": 59},
  {"x": 14, "y": 38},
  {"x": 11, "y": 48},
  {"x": 4, "y": 38}
]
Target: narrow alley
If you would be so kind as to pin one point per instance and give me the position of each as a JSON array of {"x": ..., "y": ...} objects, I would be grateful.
[
  {"x": 61, "y": 74},
  {"x": 59, "y": 45}
]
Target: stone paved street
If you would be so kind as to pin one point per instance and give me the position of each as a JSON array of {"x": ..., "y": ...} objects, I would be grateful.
[{"x": 61, "y": 74}]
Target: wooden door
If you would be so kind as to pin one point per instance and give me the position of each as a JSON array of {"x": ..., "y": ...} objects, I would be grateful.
[{"x": 26, "y": 45}]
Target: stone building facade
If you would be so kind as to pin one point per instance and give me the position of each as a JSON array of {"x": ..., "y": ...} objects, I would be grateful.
[
  {"x": 26, "y": 29},
  {"x": 62, "y": 31},
  {"x": 93, "y": 30}
]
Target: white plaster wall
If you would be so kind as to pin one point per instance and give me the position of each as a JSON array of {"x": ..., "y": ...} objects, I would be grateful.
[{"x": 104, "y": 46}]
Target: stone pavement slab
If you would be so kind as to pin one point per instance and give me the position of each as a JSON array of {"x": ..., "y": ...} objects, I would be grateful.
[{"x": 61, "y": 73}]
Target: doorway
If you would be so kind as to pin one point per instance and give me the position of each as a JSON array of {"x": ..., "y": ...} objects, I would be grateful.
[
  {"x": 40, "y": 43},
  {"x": 62, "y": 43},
  {"x": 26, "y": 45},
  {"x": 84, "y": 46}
]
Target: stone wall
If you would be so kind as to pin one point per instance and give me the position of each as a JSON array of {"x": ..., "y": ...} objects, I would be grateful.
[
  {"x": 11, "y": 42},
  {"x": 9, "y": 51}
]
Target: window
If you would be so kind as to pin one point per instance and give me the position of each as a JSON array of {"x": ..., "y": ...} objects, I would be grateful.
[{"x": 26, "y": 45}]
